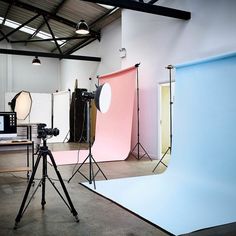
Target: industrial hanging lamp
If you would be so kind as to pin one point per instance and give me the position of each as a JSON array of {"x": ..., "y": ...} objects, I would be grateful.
[
  {"x": 36, "y": 61},
  {"x": 82, "y": 28}
]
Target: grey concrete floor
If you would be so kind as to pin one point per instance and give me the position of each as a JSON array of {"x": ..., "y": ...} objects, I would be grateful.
[{"x": 98, "y": 216}]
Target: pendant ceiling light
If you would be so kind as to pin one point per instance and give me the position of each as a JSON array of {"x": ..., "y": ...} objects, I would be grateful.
[
  {"x": 36, "y": 61},
  {"x": 82, "y": 28}
]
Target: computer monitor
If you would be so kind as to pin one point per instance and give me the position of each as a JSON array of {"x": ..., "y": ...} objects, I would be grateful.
[{"x": 8, "y": 125}]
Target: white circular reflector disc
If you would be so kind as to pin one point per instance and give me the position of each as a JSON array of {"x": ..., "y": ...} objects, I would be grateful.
[{"x": 105, "y": 98}]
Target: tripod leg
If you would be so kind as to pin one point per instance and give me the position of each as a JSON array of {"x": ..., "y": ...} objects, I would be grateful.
[
  {"x": 145, "y": 152},
  {"x": 162, "y": 159},
  {"x": 99, "y": 169},
  {"x": 44, "y": 174},
  {"x": 131, "y": 153},
  {"x": 22, "y": 207},
  {"x": 73, "y": 211},
  {"x": 78, "y": 169},
  {"x": 91, "y": 173}
]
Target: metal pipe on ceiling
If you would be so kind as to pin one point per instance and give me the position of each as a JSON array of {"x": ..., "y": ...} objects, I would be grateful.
[{"x": 49, "y": 55}]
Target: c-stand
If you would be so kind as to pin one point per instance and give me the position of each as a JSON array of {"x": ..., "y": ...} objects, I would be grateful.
[
  {"x": 90, "y": 158},
  {"x": 169, "y": 149},
  {"x": 43, "y": 153}
]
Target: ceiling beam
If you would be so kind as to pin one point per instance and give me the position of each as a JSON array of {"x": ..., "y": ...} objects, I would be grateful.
[
  {"x": 146, "y": 7},
  {"x": 4, "y": 36},
  {"x": 152, "y": 1},
  {"x": 59, "y": 6},
  {"x": 51, "y": 39},
  {"x": 42, "y": 12},
  {"x": 7, "y": 11},
  {"x": 74, "y": 48},
  {"x": 51, "y": 32},
  {"x": 79, "y": 46},
  {"x": 13, "y": 31},
  {"x": 49, "y": 55}
]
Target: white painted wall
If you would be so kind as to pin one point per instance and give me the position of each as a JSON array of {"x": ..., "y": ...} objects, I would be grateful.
[
  {"x": 40, "y": 79},
  {"x": 18, "y": 73},
  {"x": 107, "y": 49},
  {"x": 157, "y": 41}
]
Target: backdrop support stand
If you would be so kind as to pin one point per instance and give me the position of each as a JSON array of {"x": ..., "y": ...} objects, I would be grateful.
[
  {"x": 138, "y": 144},
  {"x": 90, "y": 158},
  {"x": 169, "y": 149}
]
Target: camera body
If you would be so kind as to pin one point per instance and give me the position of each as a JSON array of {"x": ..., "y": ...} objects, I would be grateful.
[
  {"x": 87, "y": 95},
  {"x": 44, "y": 132}
]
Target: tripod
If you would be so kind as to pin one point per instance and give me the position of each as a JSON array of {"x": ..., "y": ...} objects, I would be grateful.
[
  {"x": 92, "y": 176},
  {"x": 169, "y": 67},
  {"x": 138, "y": 144},
  {"x": 43, "y": 153}
]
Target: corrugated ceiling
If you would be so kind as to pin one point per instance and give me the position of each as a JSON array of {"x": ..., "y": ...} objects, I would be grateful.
[{"x": 62, "y": 17}]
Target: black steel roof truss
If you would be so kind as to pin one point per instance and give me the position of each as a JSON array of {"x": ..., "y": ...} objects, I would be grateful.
[
  {"x": 4, "y": 36},
  {"x": 53, "y": 36},
  {"x": 152, "y": 1},
  {"x": 81, "y": 45},
  {"x": 49, "y": 55},
  {"x": 70, "y": 50},
  {"x": 146, "y": 7},
  {"x": 51, "y": 39},
  {"x": 48, "y": 14},
  {"x": 7, "y": 11},
  {"x": 13, "y": 31},
  {"x": 48, "y": 17},
  {"x": 40, "y": 11}
]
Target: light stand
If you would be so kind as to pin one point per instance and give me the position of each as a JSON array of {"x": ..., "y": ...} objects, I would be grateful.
[
  {"x": 43, "y": 153},
  {"x": 138, "y": 144},
  {"x": 169, "y": 67},
  {"x": 90, "y": 158}
]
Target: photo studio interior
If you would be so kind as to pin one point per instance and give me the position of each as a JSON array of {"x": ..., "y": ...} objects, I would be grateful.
[{"x": 117, "y": 117}]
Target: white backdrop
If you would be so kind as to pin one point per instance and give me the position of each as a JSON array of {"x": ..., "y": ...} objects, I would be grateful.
[
  {"x": 41, "y": 111},
  {"x": 61, "y": 115}
]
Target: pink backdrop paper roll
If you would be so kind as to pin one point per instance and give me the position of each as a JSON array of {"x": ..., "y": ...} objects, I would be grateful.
[{"x": 113, "y": 128}]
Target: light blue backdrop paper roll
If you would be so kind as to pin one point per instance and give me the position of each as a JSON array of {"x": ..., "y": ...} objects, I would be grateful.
[{"x": 198, "y": 189}]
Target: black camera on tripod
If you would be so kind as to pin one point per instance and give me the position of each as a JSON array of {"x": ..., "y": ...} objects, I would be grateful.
[
  {"x": 44, "y": 153},
  {"x": 44, "y": 132}
]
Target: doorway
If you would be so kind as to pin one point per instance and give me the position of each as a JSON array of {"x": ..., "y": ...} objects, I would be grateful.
[{"x": 165, "y": 115}]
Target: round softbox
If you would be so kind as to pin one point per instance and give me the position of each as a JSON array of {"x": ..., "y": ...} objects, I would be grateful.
[
  {"x": 21, "y": 104},
  {"x": 102, "y": 97}
]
